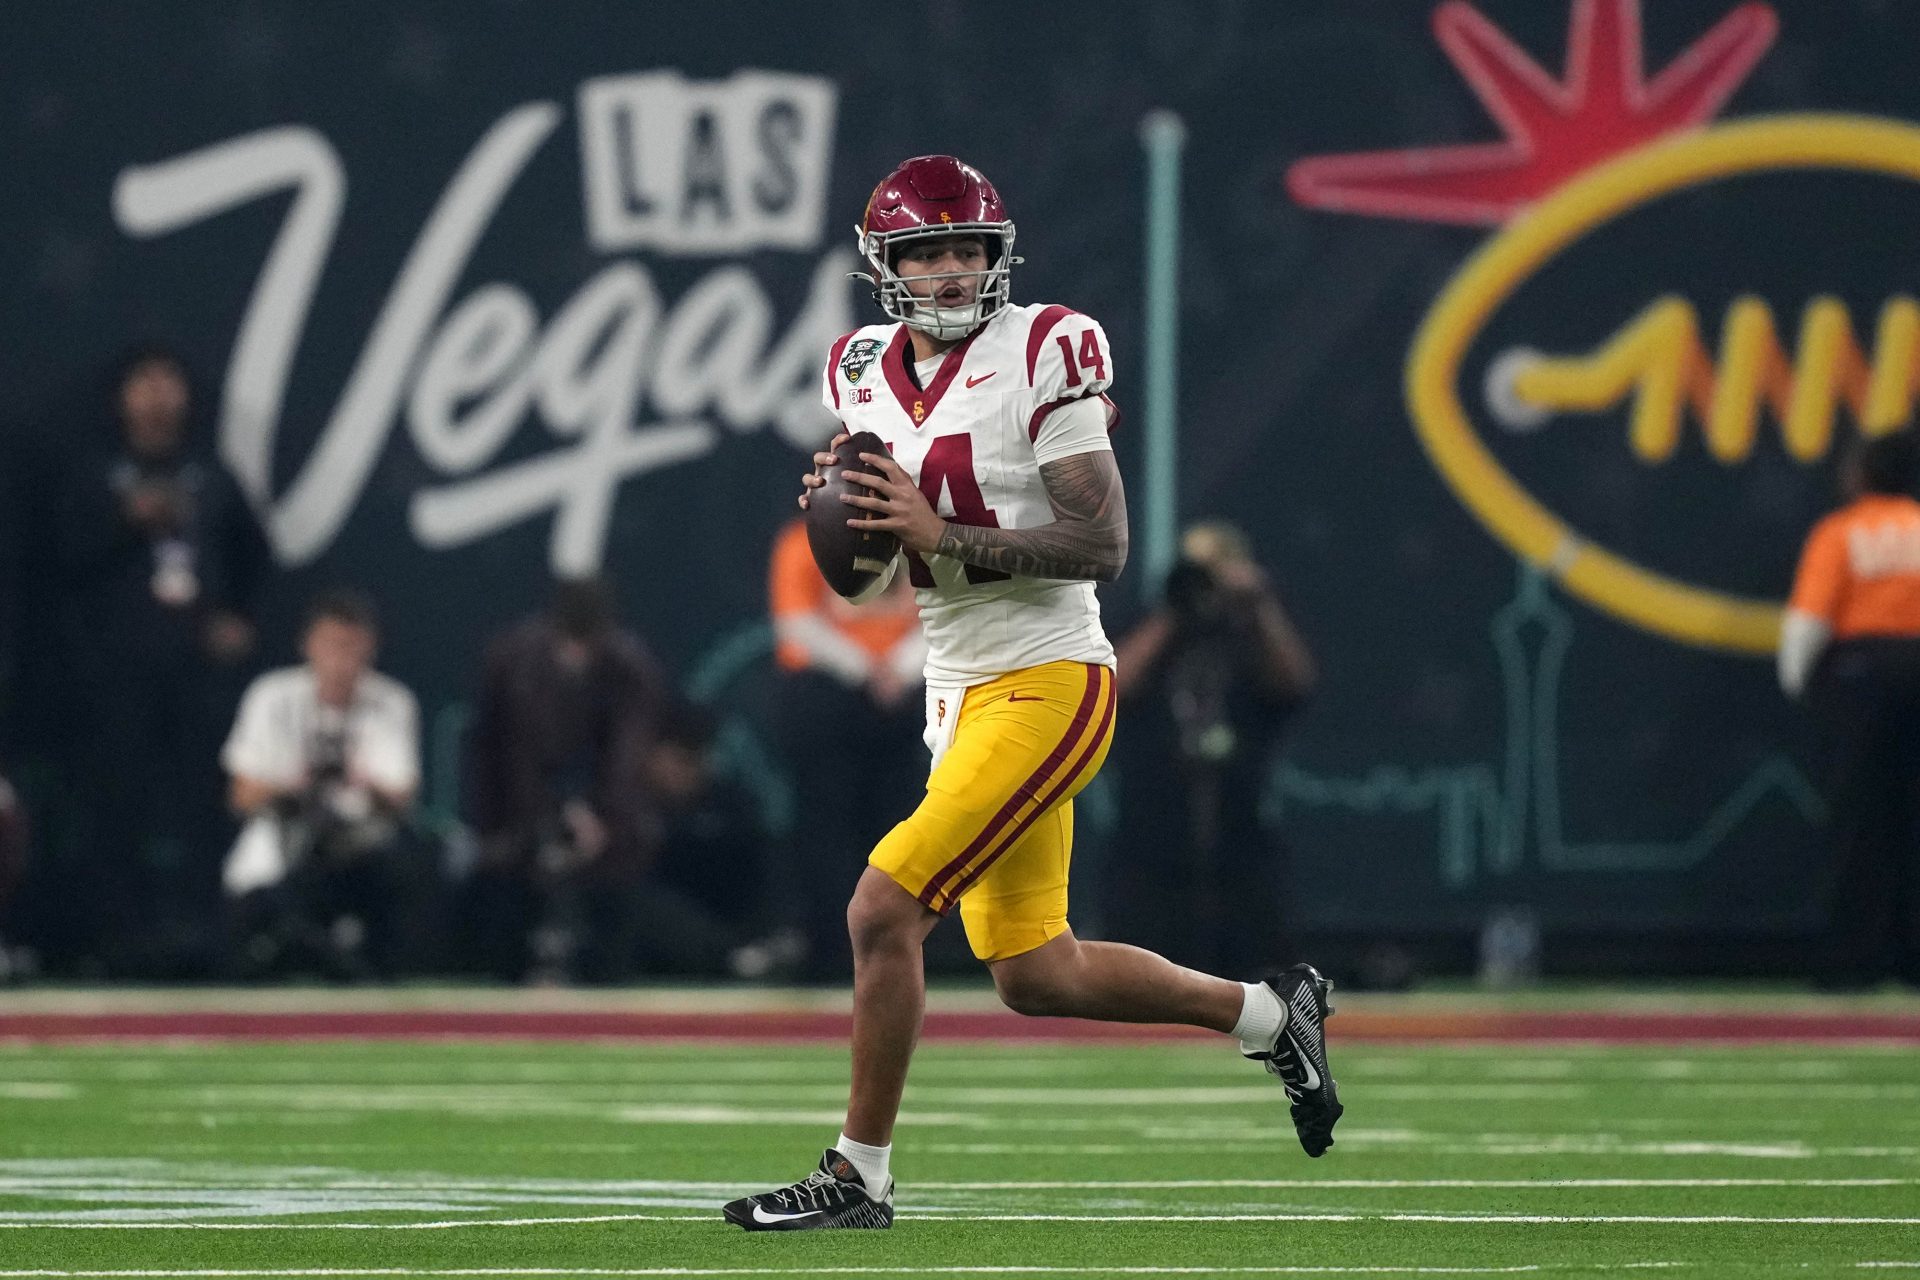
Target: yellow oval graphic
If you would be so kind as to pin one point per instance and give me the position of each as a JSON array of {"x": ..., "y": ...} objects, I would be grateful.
[{"x": 1664, "y": 605}]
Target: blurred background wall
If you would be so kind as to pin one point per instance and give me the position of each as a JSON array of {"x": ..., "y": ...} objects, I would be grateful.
[{"x": 477, "y": 292}]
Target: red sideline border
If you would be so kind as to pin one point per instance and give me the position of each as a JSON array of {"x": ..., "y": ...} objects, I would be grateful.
[{"x": 1380, "y": 1027}]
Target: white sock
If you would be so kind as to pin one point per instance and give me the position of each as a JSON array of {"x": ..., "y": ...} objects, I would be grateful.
[
  {"x": 1261, "y": 1015},
  {"x": 871, "y": 1162}
]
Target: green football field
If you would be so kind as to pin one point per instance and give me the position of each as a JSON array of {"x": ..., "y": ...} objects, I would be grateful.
[{"x": 530, "y": 1158}]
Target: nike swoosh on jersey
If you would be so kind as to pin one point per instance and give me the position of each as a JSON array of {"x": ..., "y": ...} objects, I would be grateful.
[
  {"x": 760, "y": 1214},
  {"x": 974, "y": 382}
]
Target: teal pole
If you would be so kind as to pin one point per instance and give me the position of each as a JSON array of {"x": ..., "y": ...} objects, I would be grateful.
[{"x": 1164, "y": 136}]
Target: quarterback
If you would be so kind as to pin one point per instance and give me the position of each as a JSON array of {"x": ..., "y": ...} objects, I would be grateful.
[{"x": 1003, "y": 491}]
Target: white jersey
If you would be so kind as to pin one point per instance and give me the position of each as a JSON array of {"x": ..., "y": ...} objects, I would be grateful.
[
  {"x": 281, "y": 725},
  {"x": 281, "y": 733},
  {"x": 974, "y": 438}
]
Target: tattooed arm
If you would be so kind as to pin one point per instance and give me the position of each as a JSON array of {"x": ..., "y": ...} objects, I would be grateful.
[
  {"x": 1086, "y": 541},
  {"x": 1088, "y": 536}
]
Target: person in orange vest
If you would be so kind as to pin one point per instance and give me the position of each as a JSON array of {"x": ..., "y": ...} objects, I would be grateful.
[
  {"x": 1850, "y": 647},
  {"x": 849, "y": 724}
]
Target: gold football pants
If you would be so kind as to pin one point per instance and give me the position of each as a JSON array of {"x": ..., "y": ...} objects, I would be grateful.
[{"x": 995, "y": 831}]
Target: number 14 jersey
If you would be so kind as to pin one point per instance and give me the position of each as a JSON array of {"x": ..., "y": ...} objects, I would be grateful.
[{"x": 1004, "y": 401}]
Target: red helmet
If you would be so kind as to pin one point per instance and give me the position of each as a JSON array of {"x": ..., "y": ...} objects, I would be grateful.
[{"x": 929, "y": 197}]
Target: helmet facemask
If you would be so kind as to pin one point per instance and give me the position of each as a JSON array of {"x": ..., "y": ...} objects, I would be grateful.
[{"x": 896, "y": 298}]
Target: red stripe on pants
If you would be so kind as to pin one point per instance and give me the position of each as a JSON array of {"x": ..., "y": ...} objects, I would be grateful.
[
  {"x": 1073, "y": 772},
  {"x": 1023, "y": 793}
]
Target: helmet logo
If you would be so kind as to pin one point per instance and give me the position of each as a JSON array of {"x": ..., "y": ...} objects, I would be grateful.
[
  {"x": 935, "y": 196},
  {"x": 919, "y": 410}
]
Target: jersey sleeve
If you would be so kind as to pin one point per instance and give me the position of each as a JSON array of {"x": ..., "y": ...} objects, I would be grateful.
[
  {"x": 1067, "y": 356},
  {"x": 1071, "y": 427},
  {"x": 830, "y": 381},
  {"x": 260, "y": 748},
  {"x": 1821, "y": 582},
  {"x": 1069, "y": 366},
  {"x": 388, "y": 750}
]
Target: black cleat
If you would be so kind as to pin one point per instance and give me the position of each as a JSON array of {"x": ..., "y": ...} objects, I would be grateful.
[
  {"x": 1298, "y": 1058},
  {"x": 832, "y": 1196}
]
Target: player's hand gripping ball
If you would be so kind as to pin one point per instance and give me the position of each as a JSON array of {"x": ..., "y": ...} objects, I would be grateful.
[{"x": 849, "y": 559}]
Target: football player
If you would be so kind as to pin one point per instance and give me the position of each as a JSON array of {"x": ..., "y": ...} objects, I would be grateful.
[{"x": 1003, "y": 491}]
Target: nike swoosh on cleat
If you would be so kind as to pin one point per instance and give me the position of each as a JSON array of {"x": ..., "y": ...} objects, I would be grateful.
[
  {"x": 1312, "y": 1081},
  {"x": 974, "y": 382},
  {"x": 760, "y": 1214}
]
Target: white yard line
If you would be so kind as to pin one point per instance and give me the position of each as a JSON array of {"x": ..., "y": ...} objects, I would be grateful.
[
  {"x": 869, "y": 1271},
  {"x": 935, "y": 1069},
  {"x": 29, "y": 1187},
  {"x": 37, "y": 1090},
  {"x": 26, "y": 1178},
  {"x": 1488, "y": 1146},
  {"x": 1532, "y": 1219},
  {"x": 929, "y": 1215},
  {"x": 1817, "y": 1091},
  {"x": 155, "y": 1180},
  {"x": 666, "y": 1098},
  {"x": 1362, "y": 1184},
  {"x": 354, "y": 1226}
]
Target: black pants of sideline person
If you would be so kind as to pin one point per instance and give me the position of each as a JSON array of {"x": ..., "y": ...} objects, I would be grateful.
[
  {"x": 1867, "y": 695},
  {"x": 1194, "y": 874},
  {"x": 359, "y": 915},
  {"x": 856, "y": 770},
  {"x": 594, "y": 924}
]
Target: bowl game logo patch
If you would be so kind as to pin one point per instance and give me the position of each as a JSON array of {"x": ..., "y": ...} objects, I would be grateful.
[{"x": 859, "y": 357}]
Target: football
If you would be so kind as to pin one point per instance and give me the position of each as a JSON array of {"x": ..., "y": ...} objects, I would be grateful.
[{"x": 849, "y": 559}]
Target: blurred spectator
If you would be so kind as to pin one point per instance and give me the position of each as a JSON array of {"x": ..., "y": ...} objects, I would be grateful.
[
  {"x": 567, "y": 817},
  {"x": 849, "y": 724},
  {"x": 324, "y": 761},
  {"x": 1208, "y": 682},
  {"x": 1851, "y": 646},
  {"x": 13, "y": 865},
  {"x": 13, "y": 836},
  {"x": 13, "y": 587},
  {"x": 714, "y": 846},
  {"x": 160, "y": 558}
]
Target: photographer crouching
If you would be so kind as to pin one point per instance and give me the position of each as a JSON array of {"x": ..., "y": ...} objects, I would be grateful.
[
  {"x": 1209, "y": 681},
  {"x": 324, "y": 762}
]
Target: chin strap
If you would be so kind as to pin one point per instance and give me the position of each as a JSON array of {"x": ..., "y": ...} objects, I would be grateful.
[{"x": 944, "y": 328}]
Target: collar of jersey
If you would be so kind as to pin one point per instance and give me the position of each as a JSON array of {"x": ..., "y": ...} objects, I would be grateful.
[{"x": 900, "y": 378}]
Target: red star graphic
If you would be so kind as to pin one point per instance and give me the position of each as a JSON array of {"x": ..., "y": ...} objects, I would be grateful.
[{"x": 1555, "y": 128}]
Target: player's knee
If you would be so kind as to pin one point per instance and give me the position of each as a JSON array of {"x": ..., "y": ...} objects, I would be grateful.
[
  {"x": 867, "y": 928},
  {"x": 1037, "y": 991},
  {"x": 878, "y": 919},
  {"x": 866, "y": 925}
]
